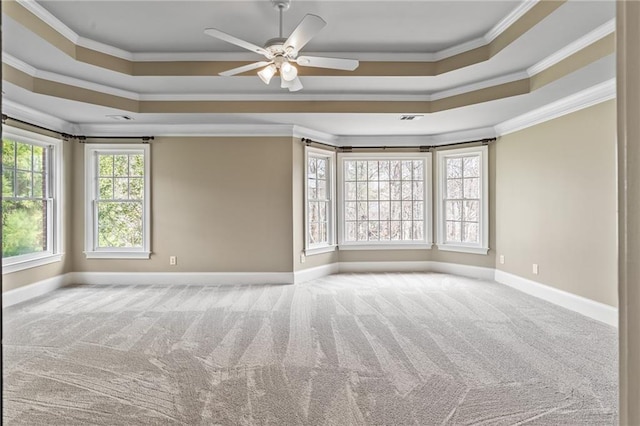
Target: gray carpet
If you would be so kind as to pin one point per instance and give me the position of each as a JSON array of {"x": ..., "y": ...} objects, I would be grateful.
[{"x": 393, "y": 349}]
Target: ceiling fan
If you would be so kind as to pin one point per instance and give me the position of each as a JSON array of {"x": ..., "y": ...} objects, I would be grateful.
[{"x": 281, "y": 53}]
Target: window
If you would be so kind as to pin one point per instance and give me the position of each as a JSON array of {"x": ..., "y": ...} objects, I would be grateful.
[
  {"x": 117, "y": 201},
  {"x": 319, "y": 201},
  {"x": 384, "y": 200},
  {"x": 31, "y": 203},
  {"x": 463, "y": 205}
]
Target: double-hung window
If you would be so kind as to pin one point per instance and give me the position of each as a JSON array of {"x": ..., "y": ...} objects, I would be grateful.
[
  {"x": 320, "y": 206},
  {"x": 31, "y": 199},
  {"x": 462, "y": 201},
  {"x": 384, "y": 200},
  {"x": 117, "y": 205}
]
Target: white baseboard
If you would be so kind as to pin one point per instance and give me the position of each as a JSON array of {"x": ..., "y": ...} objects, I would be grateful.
[
  {"x": 410, "y": 266},
  {"x": 598, "y": 311},
  {"x": 419, "y": 266},
  {"x": 34, "y": 290},
  {"x": 315, "y": 272},
  {"x": 587, "y": 307},
  {"x": 150, "y": 278},
  {"x": 479, "y": 272}
]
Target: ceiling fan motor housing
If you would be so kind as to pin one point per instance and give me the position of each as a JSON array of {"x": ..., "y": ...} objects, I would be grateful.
[{"x": 275, "y": 46}]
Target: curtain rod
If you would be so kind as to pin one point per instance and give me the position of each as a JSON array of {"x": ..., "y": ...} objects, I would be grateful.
[
  {"x": 423, "y": 148},
  {"x": 80, "y": 138}
]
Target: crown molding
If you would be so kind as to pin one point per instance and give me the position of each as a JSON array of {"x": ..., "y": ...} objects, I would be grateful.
[
  {"x": 105, "y": 48},
  {"x": 280, "y": 96},
  {"x": 306, "y": 96},
  {"x": 509, "y": 20},
  {"x": 48, "y": 18},
  {"x": 248, "y": 56},
  {"x": 457, "y": 49},
  {"x": 84, "y": 84},
  {"x": 188, "y": 130},
  {"x": 45, "y": 16},
  {"x": 64, "y": 79},
  {"x": 417, "y": 140},
  {"x": 16, "y": 63},
  {"x": 483, "y": 84},
  {"x": 30, "y": 115},
  {"x": 55, "y": 23},
  {"x": 594, "y": 95},
  {"x": 39, "y": 118},
  {"x": 574, "y": 47},
  {"x": 491, "y": 35}
]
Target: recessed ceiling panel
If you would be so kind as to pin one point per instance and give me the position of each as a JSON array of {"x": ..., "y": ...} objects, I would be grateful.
[{"x": 352, "y": 26}]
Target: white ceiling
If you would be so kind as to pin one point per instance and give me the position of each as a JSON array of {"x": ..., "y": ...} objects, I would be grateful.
[
  {"x": 352, "y": 26},
  {"x": 356, "y": 27}
]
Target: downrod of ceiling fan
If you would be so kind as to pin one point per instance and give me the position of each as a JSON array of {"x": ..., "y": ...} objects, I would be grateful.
[{"x": 281, "y": 5}]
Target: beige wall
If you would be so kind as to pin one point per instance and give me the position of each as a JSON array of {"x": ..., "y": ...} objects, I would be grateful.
[
  {"x": 218, "y": 204},
  {"x": 32, "y": 275},
  {"x": 556, "y": 203},
  {"x": 234, "y": 205}
]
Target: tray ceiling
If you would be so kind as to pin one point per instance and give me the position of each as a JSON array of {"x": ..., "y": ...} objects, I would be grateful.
[{"x": 467, "y": 65}]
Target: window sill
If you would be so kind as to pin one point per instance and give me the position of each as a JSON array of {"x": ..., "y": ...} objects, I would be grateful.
[
  {"x": 117, "y": 254},
  {"x": 33, "y": 262},
  {"x": 463, "y": 249},
  {"x": 319, "y": 250},
  {"x": 403, "y": 246}
]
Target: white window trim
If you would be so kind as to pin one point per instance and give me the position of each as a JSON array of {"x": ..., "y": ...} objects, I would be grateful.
[
  {"x": 90, "y": 165},
  {"x": 483, "y": 246},
  {"x": 384, "y": 245},
  {"x": 55, "y": 253},
  {"x": 312, "y": 249},
  {"x": 387, "y": 245}
]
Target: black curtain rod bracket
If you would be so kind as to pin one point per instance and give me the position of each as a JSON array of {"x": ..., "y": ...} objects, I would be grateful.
[{"x": 79, "y": 138}]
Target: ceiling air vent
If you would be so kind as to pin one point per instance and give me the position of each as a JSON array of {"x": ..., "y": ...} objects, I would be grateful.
[
  {"x": 120, "y": 117},
  {"x": 410, "y": 117}
]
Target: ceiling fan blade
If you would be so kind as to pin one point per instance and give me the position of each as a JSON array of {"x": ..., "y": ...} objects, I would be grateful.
[
  {"x": 305, "y": 31},
  {"x": 234, "y": 40},
  {"x": 245, "y": 68},
  {"x": 333, "y": 63}
]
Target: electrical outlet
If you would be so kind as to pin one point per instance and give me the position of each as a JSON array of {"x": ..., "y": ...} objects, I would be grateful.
[
  {"x": 173, "y": 260},
  {"x": 303, "y": 258},
  {"x": 502, "y": 259},
  {"x": 535, "y": 269}
]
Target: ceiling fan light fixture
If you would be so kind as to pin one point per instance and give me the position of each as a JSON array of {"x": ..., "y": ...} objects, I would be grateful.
[
  {"x": 288, "y": 71},
  {"x": 267, "y": 73},
  {"x": 293, "y": 85},
  {"x": 282, "y": 53}
]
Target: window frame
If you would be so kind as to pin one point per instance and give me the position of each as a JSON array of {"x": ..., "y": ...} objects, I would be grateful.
[
  {"x": 482, "y": 247},
  {"x": 311, "y": 249},
  {"x": 91, "y": 193},
  {"x": 427, "y": 242},
  {"x": 54, "y": 252}
]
